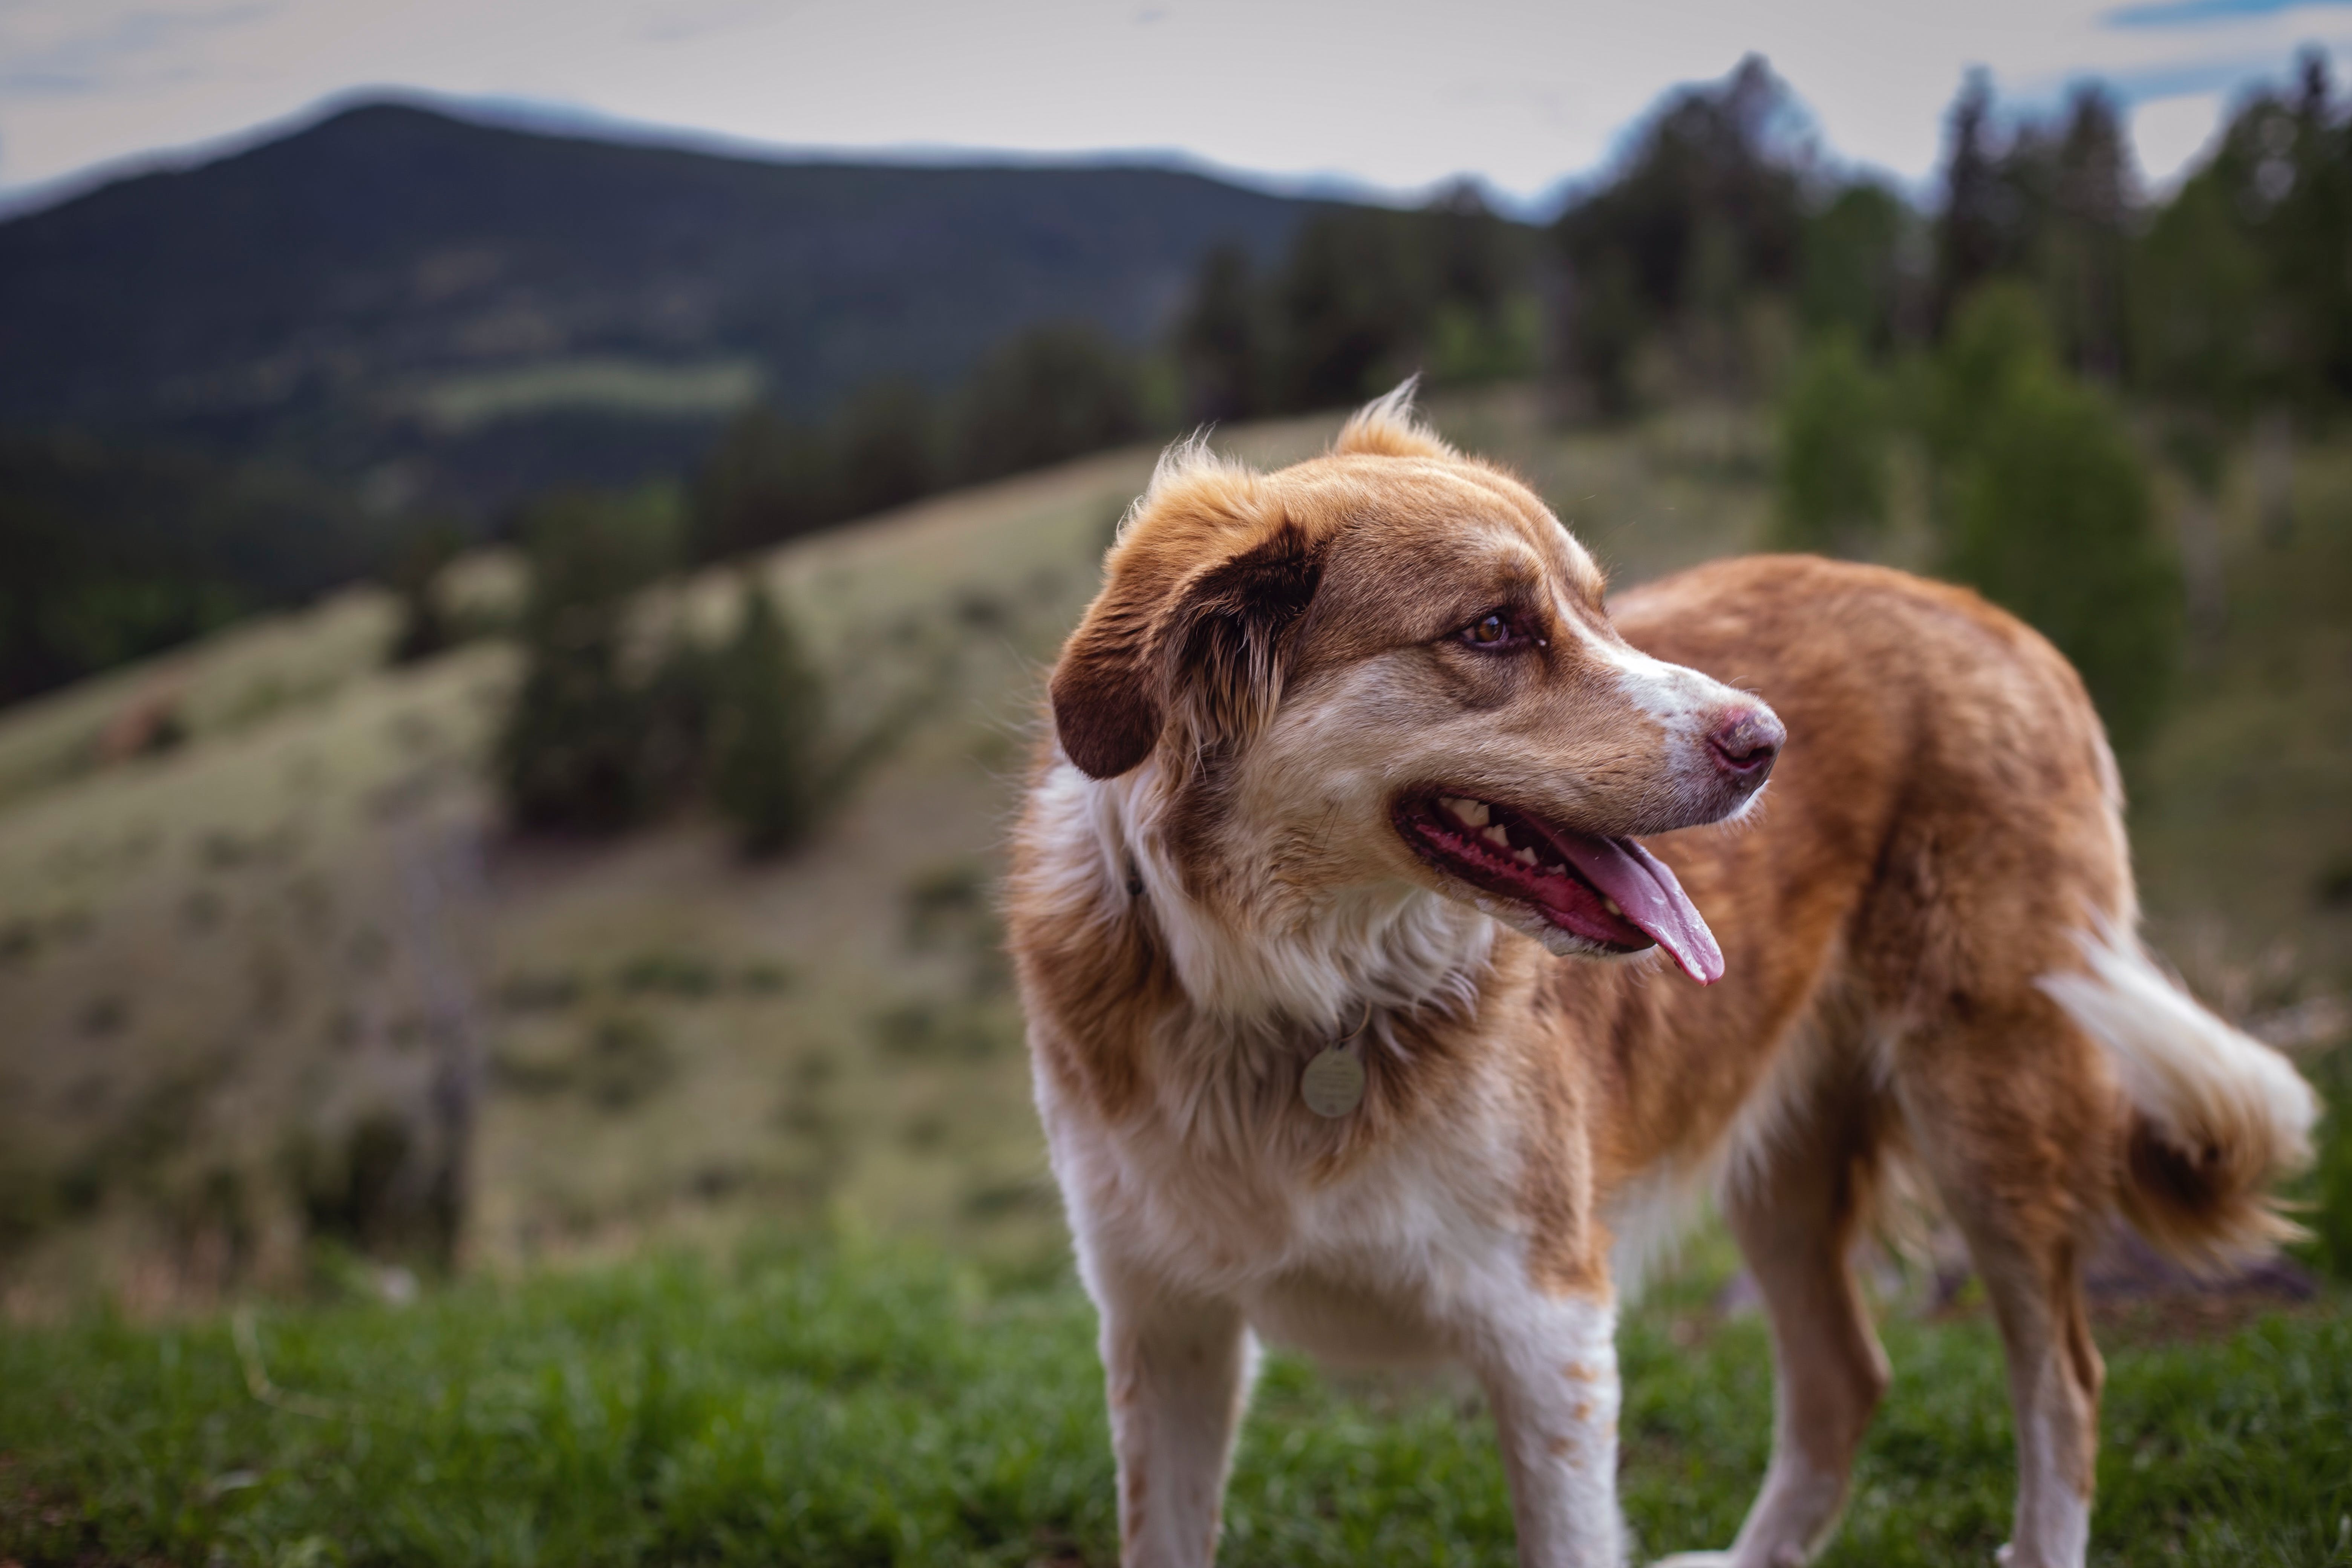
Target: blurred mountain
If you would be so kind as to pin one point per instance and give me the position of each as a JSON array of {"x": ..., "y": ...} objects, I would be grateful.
[{"x": 457, "y": 313}]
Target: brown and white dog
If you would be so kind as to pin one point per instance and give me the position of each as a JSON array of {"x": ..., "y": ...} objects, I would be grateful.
[{"x": 1354, "y": 755}]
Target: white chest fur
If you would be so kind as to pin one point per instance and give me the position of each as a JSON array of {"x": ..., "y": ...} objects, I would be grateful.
[{"x": 1371, "y": 1264}]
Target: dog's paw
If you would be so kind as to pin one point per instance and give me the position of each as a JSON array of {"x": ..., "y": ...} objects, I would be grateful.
[{"x": 1695, "y": 1560}]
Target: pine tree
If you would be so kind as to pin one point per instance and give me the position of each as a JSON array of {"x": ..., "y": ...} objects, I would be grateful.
[
  {"x": 1851, "y": 274},
  {"x": 2088, "y": 236},
  {"x": 1053, "y": 392},
  {"x": 886, "y": 448},
  {"x": 767, "y": 730},
  {"x": 1356, "y": 297},
  {"x": 766, "y": 479},
  {"x": 573, "y": 754},
  {"x": 1221, "y": 349},
  {"x": 1970, "y": 243},
  {"x": 1704, "y": 214},
  {"x": 2200, "y": 301}
]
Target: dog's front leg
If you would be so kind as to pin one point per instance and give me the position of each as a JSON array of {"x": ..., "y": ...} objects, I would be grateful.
[
  {"x": 1176, "y": 1369},
  {"x": 1549, "y": 1367}
]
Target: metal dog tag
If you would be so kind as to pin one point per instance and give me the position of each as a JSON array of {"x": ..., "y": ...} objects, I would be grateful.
[{"x": 1334, "y": 1083}]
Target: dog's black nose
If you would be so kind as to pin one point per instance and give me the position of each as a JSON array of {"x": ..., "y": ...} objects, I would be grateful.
[{"x": 1744, "y": 742}]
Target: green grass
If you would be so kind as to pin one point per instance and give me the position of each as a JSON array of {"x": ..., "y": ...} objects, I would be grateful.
[{"x": 830, "y": 1405}]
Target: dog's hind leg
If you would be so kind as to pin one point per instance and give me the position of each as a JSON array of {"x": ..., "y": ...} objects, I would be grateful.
[
  {"x": 1794, "y": 1206},
  {"x": 2017, "y": 1132},
  {"x": 1177, "y": 1371}
]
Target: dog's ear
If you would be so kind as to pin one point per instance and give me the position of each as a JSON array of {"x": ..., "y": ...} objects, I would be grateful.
[
  {"x": 1228, "y": 647},
  {"x": 1107, "y": 706},
  {"x": 1210, "y": 647}
]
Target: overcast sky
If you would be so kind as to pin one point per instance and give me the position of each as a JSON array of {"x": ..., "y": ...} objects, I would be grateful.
[{"x": 1520, "y": 92}]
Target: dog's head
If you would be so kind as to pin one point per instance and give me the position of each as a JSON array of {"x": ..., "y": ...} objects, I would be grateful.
[{"x": 1394, "y": 664}]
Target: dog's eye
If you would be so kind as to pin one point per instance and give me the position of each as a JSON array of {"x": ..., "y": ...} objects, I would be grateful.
[{"x": 1491, "y": 630}]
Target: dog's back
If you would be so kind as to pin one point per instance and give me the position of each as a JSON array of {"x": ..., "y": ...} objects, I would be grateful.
[{"x": 1937, "y": 892}]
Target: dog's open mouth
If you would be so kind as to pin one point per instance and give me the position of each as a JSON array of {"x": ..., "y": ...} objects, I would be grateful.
[{"x": 1610, "y": 893}]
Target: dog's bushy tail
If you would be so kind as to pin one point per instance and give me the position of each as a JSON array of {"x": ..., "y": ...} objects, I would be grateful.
[{"x": 2217, "y": 1117}]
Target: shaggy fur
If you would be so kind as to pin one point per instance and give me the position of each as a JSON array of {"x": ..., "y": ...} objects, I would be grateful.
[{"x": 1926, "y": 932}]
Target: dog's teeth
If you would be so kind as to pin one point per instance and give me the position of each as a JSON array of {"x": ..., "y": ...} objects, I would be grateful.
[
  {"x": 1555, "y": 870},
  {"x": 1497, "y": 837},
  {"x": 1524, "y": 857},
  {"x": 1469, "y": 812},
  {"x": 1611, "y": 905}
]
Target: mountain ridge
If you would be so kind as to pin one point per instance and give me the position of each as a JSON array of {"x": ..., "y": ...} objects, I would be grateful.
[
  {"x": 543, "y": 117},
  {"x": 305, "y": 298}
]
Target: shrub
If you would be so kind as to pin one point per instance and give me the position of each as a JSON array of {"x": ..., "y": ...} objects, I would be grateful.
[
  {"x": 627, "y": 1061},
  {"x": 2329, "y": 1217},
  {"x": 1998, "y": 336},
  {"x": 383, "y": 1184},
  {"x": 1830, "y": 476},
  {"x": 425, "y": 627},
  {"x": 682, "y": 975}
]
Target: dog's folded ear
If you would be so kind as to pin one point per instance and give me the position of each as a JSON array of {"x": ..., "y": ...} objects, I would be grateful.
[
  {"x": 1107, "y": 707},
  {"x": 1207, "y": 648},
  {"x": 1232, "y": 631}
]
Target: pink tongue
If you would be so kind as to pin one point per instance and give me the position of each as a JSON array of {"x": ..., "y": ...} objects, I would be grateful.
[{"x": 1646, "y": 889}]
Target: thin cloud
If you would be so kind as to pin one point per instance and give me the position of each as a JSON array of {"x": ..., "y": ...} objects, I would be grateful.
[
  {"x": 2207, "y": 13},
  {"x": 130, "y": 45},
  {"x": 35, "y": 81},
  {"x": 679, "y": 24}
]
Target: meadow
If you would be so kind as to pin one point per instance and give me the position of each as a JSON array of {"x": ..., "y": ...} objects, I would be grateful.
[
  {"x": 850, "y": 1404},
  {"x": 248, "y": 891}
]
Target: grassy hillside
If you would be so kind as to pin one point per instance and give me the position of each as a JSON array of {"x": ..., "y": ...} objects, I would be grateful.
[
  {"x": 829, "y": 1407},
  {"x": 2242, "y": 813},
  {"x": 224, "y": 962}
]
